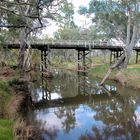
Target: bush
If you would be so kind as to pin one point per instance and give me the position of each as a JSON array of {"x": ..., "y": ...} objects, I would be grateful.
[
  {"x": 4, "y": 86},
  {"x": 13, "y": 82}
]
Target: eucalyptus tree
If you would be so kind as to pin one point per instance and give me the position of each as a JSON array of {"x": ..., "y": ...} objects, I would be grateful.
[
  {"x": 116, "y": 19},
  {"x": 66, "y": 19},
  {"x": 29, "y": 16},
  {"x": 67, "y": 30}
]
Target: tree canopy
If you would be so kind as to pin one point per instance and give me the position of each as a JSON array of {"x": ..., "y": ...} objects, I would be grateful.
[
  {"x": 111, "y": 17},
  {"x": 116, "y": 19},
  {"x": 28, "y": 16}
]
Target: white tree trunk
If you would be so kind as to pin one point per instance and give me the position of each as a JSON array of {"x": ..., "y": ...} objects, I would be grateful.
[
  {"x": 124, "y": 60},
  {"x": 22, "y": 50},
  {"x": 24, "y": 37}
]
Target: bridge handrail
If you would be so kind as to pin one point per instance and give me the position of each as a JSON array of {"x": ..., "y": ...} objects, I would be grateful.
[{"x": 74, "y": 42}]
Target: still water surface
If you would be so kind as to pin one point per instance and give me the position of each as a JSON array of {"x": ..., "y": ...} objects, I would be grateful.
[{"x": 74, "y": 107}]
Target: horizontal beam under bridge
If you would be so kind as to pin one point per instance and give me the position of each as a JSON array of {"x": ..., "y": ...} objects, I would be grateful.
[{"x": 71, "y": 46}]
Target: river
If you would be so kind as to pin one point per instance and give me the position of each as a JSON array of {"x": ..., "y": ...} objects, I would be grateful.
[{"x": 74, "y": 107}]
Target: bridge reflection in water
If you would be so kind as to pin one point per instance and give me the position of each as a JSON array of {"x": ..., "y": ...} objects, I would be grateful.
[
  {"x": 78, "y": 90},
  {"x": 71, "y": 107}
]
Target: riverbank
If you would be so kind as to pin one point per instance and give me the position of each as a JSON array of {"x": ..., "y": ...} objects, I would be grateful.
[
  {"x": 129, "y": 77},
  {"x": 15, "y": 103},
  {"x": 6, "y": 132},
  {"x": 10, "y": 102},
  {"x": 6, "y": 93}
]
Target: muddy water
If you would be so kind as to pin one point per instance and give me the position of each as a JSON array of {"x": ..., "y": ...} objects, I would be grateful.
[{"x": 74, "y": 107}]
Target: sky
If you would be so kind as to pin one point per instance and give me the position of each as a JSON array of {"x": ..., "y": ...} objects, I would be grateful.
[
  {"x": 78, "y": 3},
  {"x": 78, "y": 19}
]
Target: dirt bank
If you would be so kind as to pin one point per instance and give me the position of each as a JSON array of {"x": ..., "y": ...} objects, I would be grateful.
[
  {"x": 129, "y": 77},
  {"x": 19, "y": 107},
  {"x": 18, "y": 104},
  {"x": 127, "y": 81}
]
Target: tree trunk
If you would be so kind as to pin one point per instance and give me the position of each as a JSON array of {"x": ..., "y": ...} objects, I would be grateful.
[
  {"x": 116, "y": 65},
  {"x": 22, "y": 51},
  {"x": 28, "y": 57},
  {"x": 129, "y": 48},
  {"x": 24, "y": 36},
  {"x": 124, "y": 60}
]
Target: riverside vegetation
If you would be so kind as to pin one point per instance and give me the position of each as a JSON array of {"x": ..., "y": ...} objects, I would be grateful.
[
  {"x": 14, "y": 102},
  {"x": 5, "y": 123}
]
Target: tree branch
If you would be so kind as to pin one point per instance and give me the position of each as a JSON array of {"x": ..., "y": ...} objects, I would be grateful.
[
  {"x": 12, "y": 26},
  {"x": 18, "y": 3},
  {"x": 15, "y": 13}
]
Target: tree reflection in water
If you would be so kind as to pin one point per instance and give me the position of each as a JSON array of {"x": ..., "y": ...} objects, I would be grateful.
[
  {"x": 113, "y": 116},
  {"x": 68, "y": 117},
  {"x": 119, "y": 119}
]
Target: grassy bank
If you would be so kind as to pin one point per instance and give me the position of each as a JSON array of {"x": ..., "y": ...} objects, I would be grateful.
[
  {"x": 5, "y": 124},
  {"x": 6, "y": 93},
  {"x": 14, "y": 100},
  {"x": 6, "y": 129},
  {"x": 65, "y": 65},
  {"x": 129, "y": 77}
]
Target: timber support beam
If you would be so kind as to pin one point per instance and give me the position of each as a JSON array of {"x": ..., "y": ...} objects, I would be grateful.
[
  {"x": 137, "y": 56},
  {"x": 84, "y": 60},
  {"x": 45, "y": 59},
  {"x": 115, "y": 55}
]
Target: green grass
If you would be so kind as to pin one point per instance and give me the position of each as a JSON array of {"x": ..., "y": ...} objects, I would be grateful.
[
  {"x": 102, "y": 69},
  {"x": 131, "y": 75},
  {"x": 99, "y": 70},
  {"x": 65, "y": 65},
  {"x": 5, "y": 124},
  {"x": 6, "y": 129}
]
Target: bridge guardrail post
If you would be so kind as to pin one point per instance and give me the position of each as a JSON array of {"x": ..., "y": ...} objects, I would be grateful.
[{"x": 137, "y": 56}]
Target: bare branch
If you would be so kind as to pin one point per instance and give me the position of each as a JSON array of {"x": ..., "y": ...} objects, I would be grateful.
[
  {"x": 18, "y": 3},
  {"x": 12, "y": 26},
  {"x": 15, "y": 13}
]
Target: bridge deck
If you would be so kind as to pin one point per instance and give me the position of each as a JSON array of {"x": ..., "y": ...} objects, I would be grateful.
[{"x": 72, "y": 46}]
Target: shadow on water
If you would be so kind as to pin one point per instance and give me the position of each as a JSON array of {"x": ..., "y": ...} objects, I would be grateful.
[{"x": 76, "y": 108}]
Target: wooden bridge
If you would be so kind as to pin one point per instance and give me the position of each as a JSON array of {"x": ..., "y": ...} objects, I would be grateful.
[{"x": 84, "y": 48}]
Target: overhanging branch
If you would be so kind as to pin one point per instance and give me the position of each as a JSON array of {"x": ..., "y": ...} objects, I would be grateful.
[{"x": 12, "y": 26}]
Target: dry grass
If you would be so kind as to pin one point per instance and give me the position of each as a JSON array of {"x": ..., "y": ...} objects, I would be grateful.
[
  {"x": 129, "y": 78},
  {"x": 17, "y": 92},
  {"x": 22, "y": 131},
  {"x": 6, "y": 73},
  {"x": 13, "y": 106},
  {"x": 6, "y": 94},
  {"x": 134, "y": 66}
]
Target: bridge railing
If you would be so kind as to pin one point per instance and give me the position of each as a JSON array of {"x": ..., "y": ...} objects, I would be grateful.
[{"x": 74, "y": 42}]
